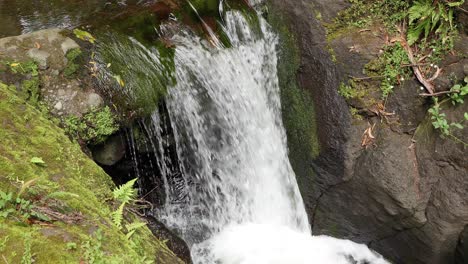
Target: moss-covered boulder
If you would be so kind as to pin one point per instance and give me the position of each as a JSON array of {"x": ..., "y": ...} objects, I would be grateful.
[
  {"x": 205, "y": 7},
  {"x": 55, "y": 202}
]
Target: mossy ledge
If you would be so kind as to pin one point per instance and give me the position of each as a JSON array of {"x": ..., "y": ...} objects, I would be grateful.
[
  {"x": 67, "y": 184},
  {"x": 298, "y": 109}
]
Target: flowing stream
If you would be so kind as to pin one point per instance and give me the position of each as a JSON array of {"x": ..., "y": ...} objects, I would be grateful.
[{"x": 236, "y": 199}]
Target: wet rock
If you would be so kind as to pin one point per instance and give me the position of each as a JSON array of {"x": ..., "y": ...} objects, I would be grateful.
[
  {"x": 463, "y": 17},
  {"x": 68, "y": 44},
  {"x": 461, "y": 254},
  {"x": 48, "y": 48},
  {"x": 409, "y": 108},
  {"x": 94, "y": 101},
  {"x": 174, "y": 243},
  {"x": 40, "y": 57},
  {"x": 404, "y": 196},
  {"x": 111, "y": 151},
  {"x": 205, "y": 7}
]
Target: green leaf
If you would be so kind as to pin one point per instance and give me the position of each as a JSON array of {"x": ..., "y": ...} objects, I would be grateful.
[
  {"x": 466, "y": 116},
  {"x": 119, "y": 80},
  {"x": 38, "y": 161},
  {"x": 131, "y": 228},
  {"x": 117, "y": 216},
  {"x": 125, "y": 193},
  {"x": 83, "y": 35},
  {"x": 457, "y": 125}
]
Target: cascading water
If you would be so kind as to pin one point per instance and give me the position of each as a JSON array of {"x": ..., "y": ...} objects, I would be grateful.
[
  {"x": 236, "y": 200},
  {"x": 241, "y": 202}
]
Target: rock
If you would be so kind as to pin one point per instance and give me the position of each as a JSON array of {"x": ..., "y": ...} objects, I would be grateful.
[
  {"x": 40, "y": 57},
  {"x": 68, "y": 44},
  {"x": 42, "y": 46},
  {"x": 408, "y": 106},
  {"x": 463, "y": 17},
  {"x": 64, "y": 95},
  {"x": 94, "y": 101},
  {"x": 405, "y": 196},
  {"x": 205, "y": 7},
  {"x": 173, "y": 242},
  {"x": 461, "y": 254},
  {"x": 58, "y": 106},
  {"x": 111, "y": 152}
]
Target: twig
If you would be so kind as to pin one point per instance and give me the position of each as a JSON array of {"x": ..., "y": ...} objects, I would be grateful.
[
  {"x": 148, "y": 193},
  {"x": 414, "y": 65},
  {"x": 437, "y": 94},
  {"x": 366, "y": 78},
  {"x": 436, "y": 74},
  {"x": 462, "y": 9},
  {"x": 6, "y": 261},
  {"x": 426, "y": 83}
]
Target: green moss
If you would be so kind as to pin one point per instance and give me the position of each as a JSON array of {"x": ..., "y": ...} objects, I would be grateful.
[
  {"x": 23, "y": 68},
  {"x": 141, "y": 88},
  {"x": 298, "y": 108},
  {"x": 363, "y": 13},
  {"x": 69, "y": 184},
  {"x": 72, "y": 59},
  {"x": 388, "y": 67},
  {"x": 30, "y": 89},
  {"x": 206, "y": 7},
  {"x": 93, "y": 127}
]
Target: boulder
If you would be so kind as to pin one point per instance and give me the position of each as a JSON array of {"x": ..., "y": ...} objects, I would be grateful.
[
  {"x": 111, "y": 151},
  {"x": 405, "y": 195},
  {"x": 65, "y": 95}
]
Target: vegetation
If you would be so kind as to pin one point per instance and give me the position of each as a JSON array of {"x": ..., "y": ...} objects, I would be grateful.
[
  {"x": 141, "y": 88},
  {"x": 439, "y": 119},
  {"x": 418, "y": 35},
  {"x": 72, "y": 65},
  {"x": 124, "y": 194},
  {"x": 84, "y": 35},
  {"x": 388, "y": 67},
  {"x": 29, "y": 67},
  {"x": 427, "y": 16},
  {"x": 61, "y": 209},
  {"x": 94, "y": 127}
]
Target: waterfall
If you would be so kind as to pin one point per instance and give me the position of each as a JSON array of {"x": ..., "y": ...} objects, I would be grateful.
[{"x": 234, "y": 198}]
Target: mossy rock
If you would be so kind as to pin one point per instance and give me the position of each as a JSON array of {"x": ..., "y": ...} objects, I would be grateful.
[
  {"x": 205, "y": 7},
  {"x": 39, "y": 163}
]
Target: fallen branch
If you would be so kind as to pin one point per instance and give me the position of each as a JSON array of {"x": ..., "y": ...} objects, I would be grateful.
[
  {"x": 366, "y": 78},
  {"x": 56, "y": 216},
  {"x": 414, "y": 65},
  {"x": 421, "y": 78},
  {"x": 437, "y": 94}
]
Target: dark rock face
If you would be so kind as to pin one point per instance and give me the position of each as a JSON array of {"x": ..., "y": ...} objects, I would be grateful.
[
  {"x": 317, "y": 74},
  {"x": 406, "y": 196},
  {"x": 461, "y": 255},
  {"x": 173, "y": 242},
  {"x": 111, "y": 151}
]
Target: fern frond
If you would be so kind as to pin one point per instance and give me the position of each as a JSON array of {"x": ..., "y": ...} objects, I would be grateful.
[
  {"x": 125, "y": 193},
  {"x": 117, "y": 216},
  {"x": 131, "y": 228}
]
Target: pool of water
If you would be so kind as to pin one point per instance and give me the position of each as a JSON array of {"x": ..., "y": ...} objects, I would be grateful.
[{"x": 24, "y": 16}]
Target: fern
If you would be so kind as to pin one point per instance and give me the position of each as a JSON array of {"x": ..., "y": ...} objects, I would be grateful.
[
  {"x": 131, "y": 228},
  {"x": 426, "y": 17},
  {"x": 125, "y": 193},
  {"x": 117, "y": 216}
]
